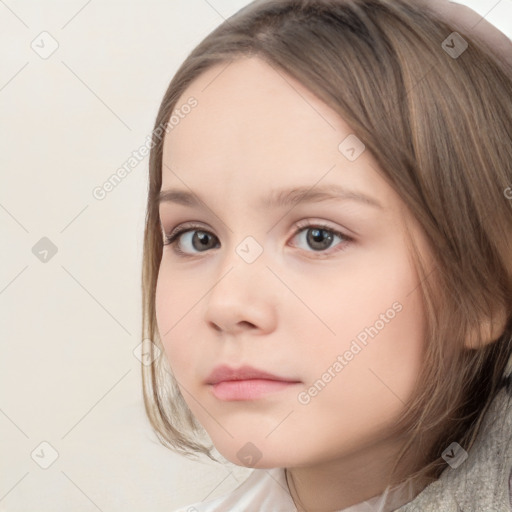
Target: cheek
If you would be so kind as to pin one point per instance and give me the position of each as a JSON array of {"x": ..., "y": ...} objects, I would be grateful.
[
  {"x": 353, "y": 297},
  {"x": 365, "y": 396},
  {"x": 171, "y": 307},
  {"x": 378, "y": 319}
]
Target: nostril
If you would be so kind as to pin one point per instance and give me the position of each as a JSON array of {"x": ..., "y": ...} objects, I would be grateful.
[{"x": 216, "y": 327}]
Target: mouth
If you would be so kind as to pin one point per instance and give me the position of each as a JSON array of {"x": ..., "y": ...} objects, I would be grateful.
[{"x": 246, "y": 383}]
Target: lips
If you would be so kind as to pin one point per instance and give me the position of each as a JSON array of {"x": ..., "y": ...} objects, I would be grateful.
[
  {"x": 245, "y": 383},
  {"x": 226, "y": 373}
]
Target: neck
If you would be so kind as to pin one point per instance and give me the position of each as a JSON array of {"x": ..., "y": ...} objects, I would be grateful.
[{"x": 338, "y": 484}]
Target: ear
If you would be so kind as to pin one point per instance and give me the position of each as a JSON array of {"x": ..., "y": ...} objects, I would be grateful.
[{"x": 491, "y": 328}]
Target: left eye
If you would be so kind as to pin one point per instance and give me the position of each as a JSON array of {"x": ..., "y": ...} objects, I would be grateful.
[{"x": 318, "y": 237}]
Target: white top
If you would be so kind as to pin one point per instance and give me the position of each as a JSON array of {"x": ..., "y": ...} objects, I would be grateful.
[{"x": 266, "y": 490}]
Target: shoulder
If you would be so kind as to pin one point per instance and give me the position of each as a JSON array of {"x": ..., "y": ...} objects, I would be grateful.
[{"x": 264, "y": 490}]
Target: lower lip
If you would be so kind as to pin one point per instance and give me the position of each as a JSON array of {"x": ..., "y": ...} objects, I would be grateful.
[{"x": 248, "y": 389}]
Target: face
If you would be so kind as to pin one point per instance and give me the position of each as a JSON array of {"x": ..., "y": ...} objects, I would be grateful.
[{"x": 320, "y": 292}]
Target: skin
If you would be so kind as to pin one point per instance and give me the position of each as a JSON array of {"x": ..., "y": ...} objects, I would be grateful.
[
  {"x": 306, "y": 307},
  {"x": 294, "y": 309}
]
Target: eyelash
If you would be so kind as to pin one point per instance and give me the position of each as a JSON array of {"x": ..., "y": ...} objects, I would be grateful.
[{"x": 175, "y": 234}]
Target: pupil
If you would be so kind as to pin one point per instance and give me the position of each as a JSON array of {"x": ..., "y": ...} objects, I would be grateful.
[
  {"x": 203, "y": 237},
  {"x": 317, "y": 237},
  {"x": 200, "y": 240}
]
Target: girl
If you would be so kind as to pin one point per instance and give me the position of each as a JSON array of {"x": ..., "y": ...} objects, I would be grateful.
[{"x": 328, "y": 259}]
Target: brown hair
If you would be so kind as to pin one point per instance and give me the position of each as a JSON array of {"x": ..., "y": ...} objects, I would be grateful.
[{"x": 440, "y": 128}]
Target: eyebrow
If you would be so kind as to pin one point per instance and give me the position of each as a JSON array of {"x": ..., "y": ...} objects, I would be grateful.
[{"x": 281, "y": 198}]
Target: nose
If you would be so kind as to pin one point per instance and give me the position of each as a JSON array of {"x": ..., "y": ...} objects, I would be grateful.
[{"x": 242, "y": 298}]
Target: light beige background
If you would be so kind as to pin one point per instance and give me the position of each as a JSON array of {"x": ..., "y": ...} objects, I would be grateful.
[{"x": 70, "y": 324}]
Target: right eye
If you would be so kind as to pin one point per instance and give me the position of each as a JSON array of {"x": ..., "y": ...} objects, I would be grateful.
[{"x": 198, "y": 238}]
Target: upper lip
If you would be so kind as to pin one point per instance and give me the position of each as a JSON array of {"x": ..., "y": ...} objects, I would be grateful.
[{"x": 224, "y": 373}]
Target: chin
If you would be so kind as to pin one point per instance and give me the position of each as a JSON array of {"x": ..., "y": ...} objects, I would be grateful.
[{"x": 257, "y": 455}]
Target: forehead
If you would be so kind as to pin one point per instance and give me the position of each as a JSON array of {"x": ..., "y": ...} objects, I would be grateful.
[
  {"x": 255, "y": 128},
  {"x": 247, "y": 105}
]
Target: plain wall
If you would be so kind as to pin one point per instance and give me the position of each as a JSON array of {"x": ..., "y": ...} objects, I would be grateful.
[{"x": 70, "y": 300}]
